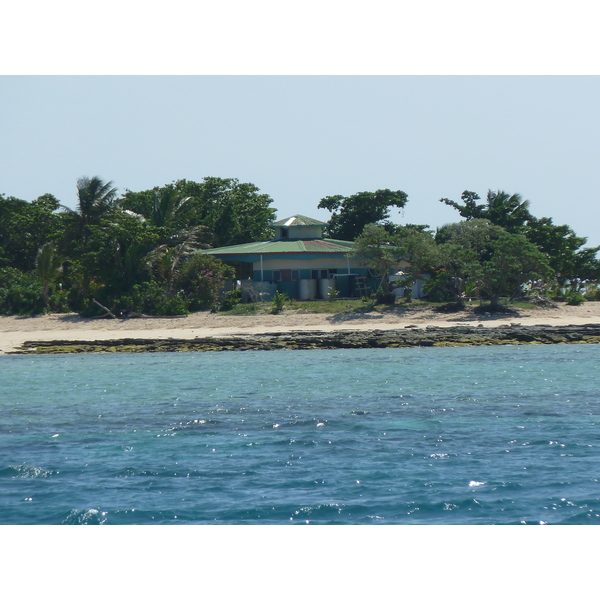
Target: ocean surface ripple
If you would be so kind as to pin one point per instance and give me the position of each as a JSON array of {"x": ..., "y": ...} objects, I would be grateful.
[{"x": 488, "y": 435}]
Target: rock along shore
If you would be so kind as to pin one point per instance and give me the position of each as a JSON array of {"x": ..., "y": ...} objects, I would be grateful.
[{"x": 407, "y": 337}]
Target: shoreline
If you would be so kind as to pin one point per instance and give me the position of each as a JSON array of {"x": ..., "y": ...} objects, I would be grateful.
[
  {"x": 401, "y": 326},
  {"x": 431, "y": 336}
]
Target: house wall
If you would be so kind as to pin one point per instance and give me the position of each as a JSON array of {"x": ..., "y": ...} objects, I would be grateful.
[
  {"x": 304, "y": 266},
  {"x": 345, "y": 286}
]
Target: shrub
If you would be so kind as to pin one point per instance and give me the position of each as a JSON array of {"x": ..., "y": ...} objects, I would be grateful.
[
  {"x": 153, "y": 299},
  {"x": 332, "y": 293},
  {"x": 575, "y": 298},
  {"x": 201, "y": 278},
  {"x": 279, "y": 301},
  {"x": 59, "y": 301},
  {"x": 384, "y": 297},
  {"x": 437, "y": 288},
  {"x": 231, "y": 299},
  {"x": 20, "y": 293}
]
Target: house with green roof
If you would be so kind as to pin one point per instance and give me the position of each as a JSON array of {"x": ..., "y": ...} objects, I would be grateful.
[{"x": 298, "y": 261}]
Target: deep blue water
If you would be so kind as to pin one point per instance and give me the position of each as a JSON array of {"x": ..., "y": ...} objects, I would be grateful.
[{"x": 501, "y": 435}]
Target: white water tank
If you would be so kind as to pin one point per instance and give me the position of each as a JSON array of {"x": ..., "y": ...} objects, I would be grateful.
[
  {"x": 324, "y": 285},
  {"x": 307, "y": 289}
]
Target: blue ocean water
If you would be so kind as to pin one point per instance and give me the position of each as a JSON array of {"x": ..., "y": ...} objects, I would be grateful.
[{"x": 487, "y": 435}]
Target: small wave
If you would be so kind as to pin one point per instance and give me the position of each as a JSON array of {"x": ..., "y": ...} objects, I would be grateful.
[
  {"x": 531, "y": 522},
  {"x": 476, "y": 483},
  {"x": 510, "y": 485},
  {"x": 587, "y": 517},
  {"x": 319, "y": 511},
  {"x": 192, "y": 425},
  {"x": 25, "y": 472},
  {"x": 297, "y": 423},
  {"x": 133, "y": 472},
  {"x": 90, "y": 516}
]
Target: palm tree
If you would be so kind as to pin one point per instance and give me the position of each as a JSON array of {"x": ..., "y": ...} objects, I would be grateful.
[
  {"x": 508, "y": 211},
  {"x": 164, "y": 260},
  {"x": 95, "y": 200},
  {"x": 169, "y": 209}
]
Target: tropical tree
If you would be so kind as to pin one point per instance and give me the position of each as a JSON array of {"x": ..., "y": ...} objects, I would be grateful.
[
  {"x": 513, "y": 261},
  {"x": 20, "y": 293},
  {"x": 163, "y": 207},
  {"x": 231, "y": 212},
  {"x": 496, "y": 261},
  {"x": 459, "y": 246},
  {"x": 25, "y": 226},
  {"x": 169, "y": 209},
  {"x": 376, "y": 248},
  {"x": 96, "y": 200},
  {"x": 422, "y": 251},
  {"x": 234, "y": 212},
  {"x": 164, "y": 260},
  {"x": 48, "y": 266},
  {"x": 350, "y": 214},
  {"x": 574, "y": 264},
  {"x": 500, "y": 208}
]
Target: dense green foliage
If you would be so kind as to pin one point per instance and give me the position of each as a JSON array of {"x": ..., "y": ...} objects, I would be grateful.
[
  {"x": 508, "y": 211},
  {"x": 231, "y": 212},
  {"x": 573, "y": 264},
  {"x": 376, "y": 248},
  {"x": 25, "y": 227},
  {"x": 350, "y": 214},
  {"x": 134, "y": 253},
  {"x": 499, "y": 250},
  {"x": 489, "y": 259},
  {"x": 139, "y": 252}
]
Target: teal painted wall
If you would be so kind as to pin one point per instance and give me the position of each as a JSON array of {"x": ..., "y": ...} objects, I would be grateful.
[{"x": 288, "y": 287}]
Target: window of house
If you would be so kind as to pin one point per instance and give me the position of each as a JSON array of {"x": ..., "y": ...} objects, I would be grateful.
[
  {"x": 285, "y": 233},
  {"x": 323, "y": 273},
  {"x": 295, "y": 274},
  {"x": 276, "y": 275}
]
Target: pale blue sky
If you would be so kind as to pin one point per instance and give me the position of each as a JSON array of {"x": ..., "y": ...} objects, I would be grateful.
[{"x": 300, "y": 138}]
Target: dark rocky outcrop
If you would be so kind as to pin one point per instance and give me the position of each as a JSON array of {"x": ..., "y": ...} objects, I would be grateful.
[{"x": 464, "y": 335}]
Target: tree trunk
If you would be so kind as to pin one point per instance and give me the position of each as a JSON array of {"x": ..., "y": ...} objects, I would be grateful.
[{"x": 495, "y": 302}]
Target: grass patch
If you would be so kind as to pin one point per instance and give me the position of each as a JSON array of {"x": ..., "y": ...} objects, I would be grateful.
[
  {"x": 357, "y": 305},
  {"x": 256, "y": 308},
  {"x": 524, "y": 304},
  {"x": 332, "y": 307}
]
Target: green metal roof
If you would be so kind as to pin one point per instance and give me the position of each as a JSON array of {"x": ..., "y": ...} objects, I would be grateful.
[
  {"x": 298, "y": 221},
  {"x": 313, "y": 246}
]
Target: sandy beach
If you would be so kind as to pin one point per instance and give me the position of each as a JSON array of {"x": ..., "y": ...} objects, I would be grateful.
[{"x": 15, "y": 331}]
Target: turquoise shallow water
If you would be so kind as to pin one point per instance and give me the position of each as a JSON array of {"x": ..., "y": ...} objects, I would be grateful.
[{"x": 502, "y": 435}]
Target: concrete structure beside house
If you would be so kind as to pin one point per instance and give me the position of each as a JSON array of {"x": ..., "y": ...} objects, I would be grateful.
[{"x": 298, "y": 261}]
